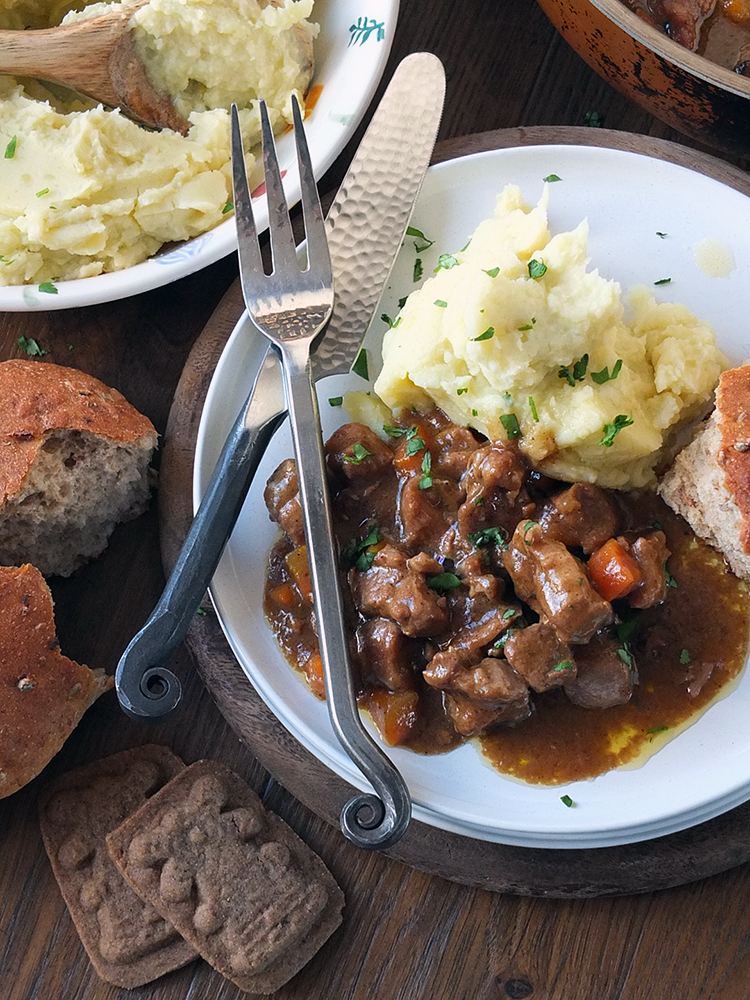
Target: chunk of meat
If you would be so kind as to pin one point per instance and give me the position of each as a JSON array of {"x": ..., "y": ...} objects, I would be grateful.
[
  {"x": 470, "y": 716},
  {"x": 424, "y": 515},
  {"x": 357, "y": 452},
  {"x": 555, "y": 584},
  {"x": 384, "y": 655},
  {"x": 492, "y": 485},
  {"x": 580, "y": 517},
  {"x": 683, "y": 18},
  {"x": 389, "y": 589},
  {"x": 538, "y": 654},
  {"x": 650, "y": 553},
  {"x": 282, "y": 500},
  {"x": 452, "y": 450},
  {"x": 603, "y": 679}
]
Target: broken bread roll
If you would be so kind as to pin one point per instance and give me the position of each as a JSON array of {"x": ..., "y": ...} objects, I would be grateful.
[
  {"x": 74, "y": 458},
  {"x": 43, "y": 693},
  {"x": 709, "y": 481}
]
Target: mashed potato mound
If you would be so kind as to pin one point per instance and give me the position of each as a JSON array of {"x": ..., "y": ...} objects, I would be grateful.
[
  {"x": 85, "y": 190},
  {"x": 509, "y": 353}
]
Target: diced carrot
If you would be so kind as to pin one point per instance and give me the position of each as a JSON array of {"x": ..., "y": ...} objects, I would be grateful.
[
  {"x": 312, "y": 668},
  {"x": 299, "y": 567},
  {"x": 409, "y": 453},
  {"x": 394, "y": 713},
  {"x": 613, "y": 571},
  {"x": 283, "y": 595}
]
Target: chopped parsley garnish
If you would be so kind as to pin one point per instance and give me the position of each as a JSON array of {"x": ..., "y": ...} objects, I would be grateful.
[
  {"x": 49, "y": 287},
  {"x": 443, "y": 581},
  {"x": 527, "y": 528},
  {"x": 510, "y": 423},
  {"x": 41, "y": 193},
  {"x": 528, "y": 326},
  {"x": 626, "y": 655},
  {"x": 575, "y": 374},
  {"x": 604, "y": 376},
  {"x": 413, "y": 445},
  {"x": 670, "y": 580},
  {"x": 357, "y": 553},
  {"x": 493, "y": 272},
  {"x": 510, "y": 613},
  {"x": 425, "y": 244},
  {"x": 402, "y": 302},
  {"x": 551, "y": 178},
  {"x": 657, "y": 729},
  {"x": 10, "y": 149},
  {"x": 663, "y": 281},
  {"x": 488, "y": 334},
  {"x": 593, "y": 119},
  {"x": 202, "y": 612},
  {"x": 229, "y": 207},
  {"x": 418, "y": 269},
  {"x": 612, "y": 430},
  {"x": 360, "y": 365},
  {"x": 565, "y": 665},
  {"x": 685, "y": 656},
  {"x": 447, "y": 261},
  {"x": 441, "y": 303},
  {"x": 662, "y": 235},
  {"x": 537, "y": 269},
  {"x": 394, "y": 432},
  {"x": 391, "y": 323},
  {"x": 426, "y": 481},
  {"x": 475, "y": 413},
  {"x": 488, "y": 537},
  {"x": 532, "y": 407},
  {"x": 31, "y": 347},
  {"x": 461, "y": 391},
  {"x": 335, "y": 400},
  {"x": 358, "y": 455},
  {"x": 567, "y": 801}
]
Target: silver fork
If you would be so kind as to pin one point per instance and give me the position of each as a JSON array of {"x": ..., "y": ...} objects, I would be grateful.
[{"x": 290, "y": 307}]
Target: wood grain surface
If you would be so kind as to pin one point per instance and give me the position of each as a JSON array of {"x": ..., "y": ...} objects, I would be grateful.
[{"x": 406, "y": 934}]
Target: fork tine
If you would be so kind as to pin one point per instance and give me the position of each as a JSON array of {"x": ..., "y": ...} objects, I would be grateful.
[
  {"x": 247, "y": 237},
  {"x": 318, "y": 255},
  {"x": 283, "y": 250}
]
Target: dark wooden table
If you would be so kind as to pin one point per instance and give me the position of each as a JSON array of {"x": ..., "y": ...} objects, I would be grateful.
[{"x": 405, "y": 934}]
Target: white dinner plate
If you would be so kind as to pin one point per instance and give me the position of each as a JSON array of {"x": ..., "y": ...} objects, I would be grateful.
[
  {"x": 628, "y": 199},
  {"x": 351, "y": 51}
]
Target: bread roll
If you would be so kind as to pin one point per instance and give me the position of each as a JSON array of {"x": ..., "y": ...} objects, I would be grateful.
[
  {"x": 709, "y": 481},
  {"x": 43, "y": 694},
  {"x": 74, "y": 458}
]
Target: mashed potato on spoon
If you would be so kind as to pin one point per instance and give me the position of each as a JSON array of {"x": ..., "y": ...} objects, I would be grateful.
[
  {"x": 85, "y": 190},
  {"x": 514, "y": 336}
]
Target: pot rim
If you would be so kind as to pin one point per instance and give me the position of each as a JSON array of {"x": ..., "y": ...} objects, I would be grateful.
[{"x": 665, "y": 47}]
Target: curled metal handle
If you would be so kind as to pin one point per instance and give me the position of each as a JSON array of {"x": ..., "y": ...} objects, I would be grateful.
[{"x": 147, "y": 691}]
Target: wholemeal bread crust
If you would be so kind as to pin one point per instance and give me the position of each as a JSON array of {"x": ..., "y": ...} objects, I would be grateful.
[
  {"x": 709, "y": 481},
  {"x": 37, "y": 398},
  {"x": 44, "y": 694}
]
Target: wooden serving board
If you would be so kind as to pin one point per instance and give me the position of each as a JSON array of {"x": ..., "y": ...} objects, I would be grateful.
[{"x": 667, "y": 861}]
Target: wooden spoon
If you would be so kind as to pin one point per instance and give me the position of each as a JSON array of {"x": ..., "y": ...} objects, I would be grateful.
[{"x": 95, "y": 57}]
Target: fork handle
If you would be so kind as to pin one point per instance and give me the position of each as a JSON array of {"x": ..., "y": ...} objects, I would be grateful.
[{"x": 370, "y": 821}]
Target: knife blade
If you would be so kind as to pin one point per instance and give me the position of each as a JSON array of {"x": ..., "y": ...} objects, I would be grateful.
[{"x": 365, "y": 228}]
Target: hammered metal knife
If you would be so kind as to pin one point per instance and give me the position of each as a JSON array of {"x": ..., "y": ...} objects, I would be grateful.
[{"x": 365, "y": 228}]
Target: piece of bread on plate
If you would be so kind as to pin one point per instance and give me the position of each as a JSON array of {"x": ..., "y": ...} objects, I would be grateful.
[
  {"x": 43, "y": 694},
  {"x": 709, "y": 481},
  {"x": 74, "y": 458}
]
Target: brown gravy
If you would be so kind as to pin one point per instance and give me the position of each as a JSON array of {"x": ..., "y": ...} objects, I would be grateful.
[{"x": 703, "y": 621}]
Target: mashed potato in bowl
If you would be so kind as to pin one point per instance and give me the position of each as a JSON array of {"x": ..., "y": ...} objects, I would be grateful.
[
  {"x": 86, "y": 191},
  {"x": 514, "y": 335}
]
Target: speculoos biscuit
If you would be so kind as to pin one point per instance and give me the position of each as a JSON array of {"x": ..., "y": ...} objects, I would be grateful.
[
  {"x": 235, "y": 880},
  {"x": 128, "y": 942}
]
